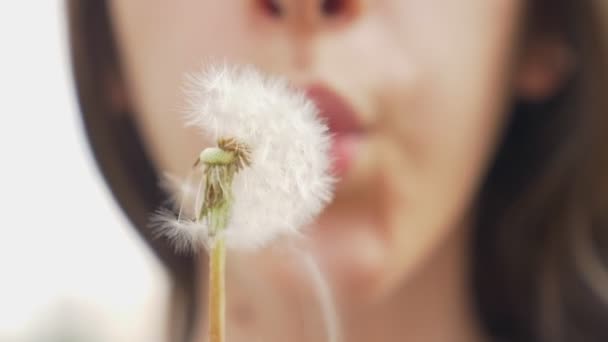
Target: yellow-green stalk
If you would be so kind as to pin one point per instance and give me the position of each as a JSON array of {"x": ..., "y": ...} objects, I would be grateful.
[{"x": 221, "y": 164}]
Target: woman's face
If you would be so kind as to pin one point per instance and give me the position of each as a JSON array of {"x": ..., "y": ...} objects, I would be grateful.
[{"x": 426, "y": 81}]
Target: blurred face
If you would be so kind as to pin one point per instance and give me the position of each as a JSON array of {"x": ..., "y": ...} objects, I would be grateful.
[{"x": 413, "y": 89}]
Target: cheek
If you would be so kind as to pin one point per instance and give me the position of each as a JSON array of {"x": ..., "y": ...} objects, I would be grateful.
[
  {"x": 159, "y": 41},
  {"x": 440, "y": 128}
]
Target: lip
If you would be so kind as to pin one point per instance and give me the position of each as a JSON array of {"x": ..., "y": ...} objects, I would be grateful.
[{"x": 342, "y": 121}]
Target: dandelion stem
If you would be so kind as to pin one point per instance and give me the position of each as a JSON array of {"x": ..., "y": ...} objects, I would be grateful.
[
  {"x": 217, "y": 292},
  {"x": 328, "y": 307},
  {"x": 220, "y": 166},
  {"x": 217, "y": 216}
]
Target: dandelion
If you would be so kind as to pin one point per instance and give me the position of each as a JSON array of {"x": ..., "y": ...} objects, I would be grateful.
[{"x": 267, "y": 176}]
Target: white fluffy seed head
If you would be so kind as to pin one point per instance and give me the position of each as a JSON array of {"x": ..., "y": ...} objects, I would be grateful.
[{"x": 288, "y": 182}]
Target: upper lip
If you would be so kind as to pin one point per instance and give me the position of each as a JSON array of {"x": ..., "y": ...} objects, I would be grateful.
[{"x": 341, "y": 117}]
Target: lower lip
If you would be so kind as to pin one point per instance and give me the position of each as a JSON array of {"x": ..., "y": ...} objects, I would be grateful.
[{"x": 345, "y": 147}]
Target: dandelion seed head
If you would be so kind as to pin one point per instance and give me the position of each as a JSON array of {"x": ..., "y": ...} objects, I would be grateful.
[{"x": 286, "y": 181}]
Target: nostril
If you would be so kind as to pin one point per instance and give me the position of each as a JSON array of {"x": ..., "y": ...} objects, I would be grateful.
[
  {"x": 333, "y": 7},
  {"x": 270, "y": 7}
]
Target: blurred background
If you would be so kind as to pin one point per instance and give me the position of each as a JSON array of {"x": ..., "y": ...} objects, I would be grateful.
[{"x": 70, "y": 267}]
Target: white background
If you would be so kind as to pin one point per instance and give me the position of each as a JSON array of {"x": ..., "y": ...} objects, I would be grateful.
[{"x": 70, "y": 266}]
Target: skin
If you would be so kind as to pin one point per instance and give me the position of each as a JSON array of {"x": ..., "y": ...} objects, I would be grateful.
[{"x": 429, "y": 80}]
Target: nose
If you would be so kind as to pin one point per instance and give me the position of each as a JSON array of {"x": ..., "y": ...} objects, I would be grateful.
[{"x": 305, "y": 16}]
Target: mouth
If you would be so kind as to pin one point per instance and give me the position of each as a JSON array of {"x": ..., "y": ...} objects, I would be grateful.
[{"x": 343, "y": 123}]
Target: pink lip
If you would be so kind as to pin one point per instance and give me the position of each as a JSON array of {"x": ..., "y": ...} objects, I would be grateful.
[{"x": 343, "y": 123}]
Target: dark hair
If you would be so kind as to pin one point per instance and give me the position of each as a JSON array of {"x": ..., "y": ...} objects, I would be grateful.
[
  {"x": 540, "y": 235},
  {"x": 119, "y": 153}
]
